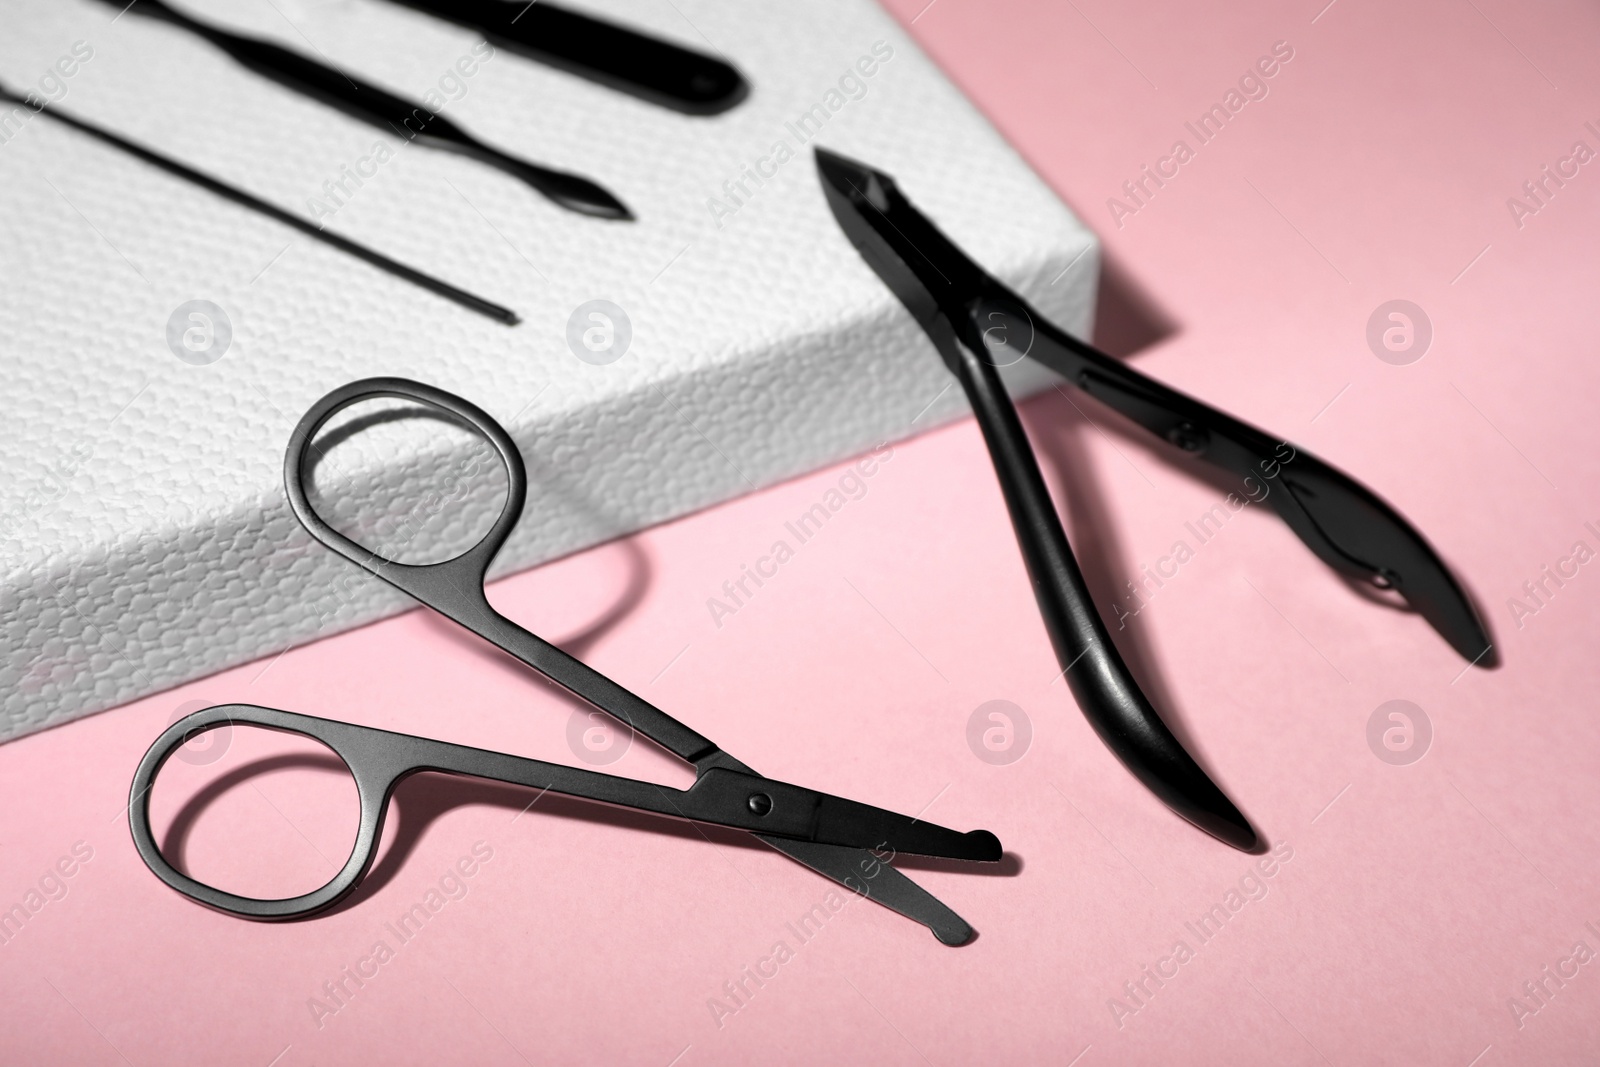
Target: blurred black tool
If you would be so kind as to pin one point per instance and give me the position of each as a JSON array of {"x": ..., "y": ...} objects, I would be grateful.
[
  {"x": 977, "y": 324},
  {"x": 614, "y": 56},
  {"x": 255, "y": 203},
  {"x": 385, "y": 110}
]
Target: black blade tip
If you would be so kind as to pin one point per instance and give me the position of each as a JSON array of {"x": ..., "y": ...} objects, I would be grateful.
[
  {"x": 983, "y": 847},
  {"x": 1472, "y": 644},
  {"x": 1231, "y": 828},
  {"x": 849, "y": 177},
  {"x": 837, "y": 168}
]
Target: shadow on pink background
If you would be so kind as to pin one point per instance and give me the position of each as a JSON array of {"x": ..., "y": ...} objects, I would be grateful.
[{"x": 1427, "y": 913}]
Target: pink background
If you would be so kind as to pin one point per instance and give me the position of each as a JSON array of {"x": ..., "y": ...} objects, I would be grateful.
[{"x": 1417, "y": 900}]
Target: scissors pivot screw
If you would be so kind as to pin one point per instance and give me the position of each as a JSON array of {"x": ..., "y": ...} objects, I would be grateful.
[
  {"x": 759, "y": 803},
  {"x": 1189, "y": 437}
]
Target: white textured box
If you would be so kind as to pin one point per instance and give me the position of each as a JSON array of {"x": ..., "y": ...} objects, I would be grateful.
[{"x": 145, "y": 539}]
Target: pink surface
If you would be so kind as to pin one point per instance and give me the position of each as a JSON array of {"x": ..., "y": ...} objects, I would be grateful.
[{"x": 1408, "y": 905}]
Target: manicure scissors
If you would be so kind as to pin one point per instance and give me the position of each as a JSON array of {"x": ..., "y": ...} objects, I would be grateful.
[{"x": 840, "y": 839}]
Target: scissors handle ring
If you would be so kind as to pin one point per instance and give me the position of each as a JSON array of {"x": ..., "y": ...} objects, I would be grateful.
[
  {"x": 454, "y": 588},
  {"x": 441, "y": 584},
  {"x": 376, "y": 772}
]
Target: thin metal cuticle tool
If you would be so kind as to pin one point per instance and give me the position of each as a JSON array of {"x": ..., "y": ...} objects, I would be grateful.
[
  {"x": 385, "y": 110},
  {"x": 471, "y": 301}
]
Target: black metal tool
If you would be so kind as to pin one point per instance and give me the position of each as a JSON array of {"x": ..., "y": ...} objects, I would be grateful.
[
  {"x": 385, "y": 110},
  {"x": 831, "y": 835},
  {"x": 975, "y": 322},
  {"x": 238, "y": 196},
  {"x": 614, "y": 56}
]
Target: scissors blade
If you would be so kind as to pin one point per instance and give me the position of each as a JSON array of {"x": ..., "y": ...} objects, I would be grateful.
[
  {"x": 849, "y": 822},
  {"x": 927, "y": 271},
  {"x": 854, "y": 869},
  {"x": 1345, "y": 524},
  {"x": 747, "y": 801},
  {"x": 1358, "y": 534}
]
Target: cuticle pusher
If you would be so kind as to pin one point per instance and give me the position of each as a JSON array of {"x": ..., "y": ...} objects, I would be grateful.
[{"x": 385, "y": 110}]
